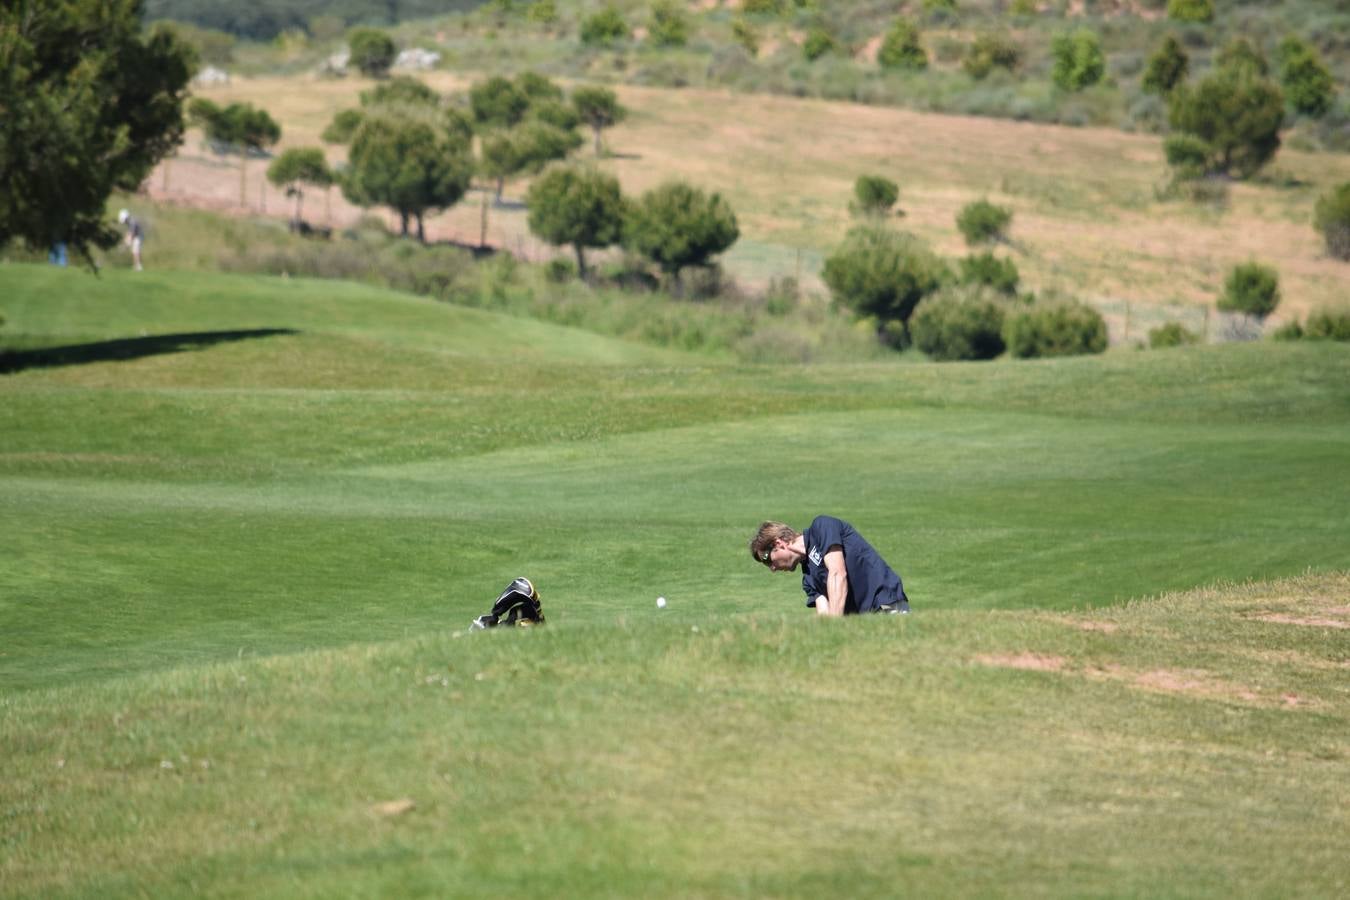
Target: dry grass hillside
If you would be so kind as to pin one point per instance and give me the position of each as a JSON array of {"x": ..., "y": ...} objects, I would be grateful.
[{"x": 1087, "y": 215}]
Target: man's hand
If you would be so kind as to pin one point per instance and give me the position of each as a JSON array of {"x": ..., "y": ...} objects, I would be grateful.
[{"x": 836, "y": 582}]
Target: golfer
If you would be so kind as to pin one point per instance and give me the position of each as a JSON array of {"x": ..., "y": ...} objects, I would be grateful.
[
  {"x": 841, "y": 573},
  {"x": 135, "y": 235}
]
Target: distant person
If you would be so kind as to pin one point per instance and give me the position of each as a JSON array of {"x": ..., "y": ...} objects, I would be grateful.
[
  {"x": 57, "y": 255},
  {"x": 841, "y": 573},
  {"x": 135, "y": 235}
]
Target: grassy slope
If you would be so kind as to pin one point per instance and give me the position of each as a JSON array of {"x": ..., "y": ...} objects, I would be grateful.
[
  {"x": 1183, "y": 747},
  {"x": 350, "y": 494}
]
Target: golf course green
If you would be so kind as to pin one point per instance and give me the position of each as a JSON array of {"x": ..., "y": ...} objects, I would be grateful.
[{"x": 247, "y": 522}]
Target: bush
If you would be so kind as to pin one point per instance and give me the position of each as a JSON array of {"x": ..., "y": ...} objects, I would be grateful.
[
  {"x": 881, "y": 273},
  {"x": 372, "y": 51},
  {"x": 1187, "y": 154},
  {"x": 1251, "y": 289},
  {"x": 604, "y": 29},
  {"x": 669, "y": 24},
  {"x": 560, "y": 271},
  {"x": 1307, "y": 82},
  {"x": 1166, "y": 68},
  {"x": 1331, "y": 217},
  {"x": 988, "y": 52},
  {"x": 901, "y": 48},
  {"x": 744, "y": 34},
  {"x": 818, "y": 42},
  {"x": 874, "y": 195},
  {"x": 1062, "y": 328},
  {"x": 986, "y": 269},
  {"x": 1190, "y": 10},
  {"x": 1173, "y": 334},
  {"x": 1236, "y": 115},
  {"x": 959, "y": 323},
  {"x": 1079, "y": 62},
  {"x": 982, "y": 222},
  {"x": 1289, "y": 331},
  {"x": 1243, "y": 58},
  {"x": 543, "y": 12},
  {"x": 1327, "y": 325}
]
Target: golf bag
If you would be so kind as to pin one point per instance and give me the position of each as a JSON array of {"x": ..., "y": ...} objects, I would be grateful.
[{"x": 518, "y": 605}]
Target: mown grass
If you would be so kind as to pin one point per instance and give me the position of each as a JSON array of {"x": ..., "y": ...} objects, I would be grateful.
[
  {"x": 239, "y": 570},
  {"x": 1179, "y": 747}
]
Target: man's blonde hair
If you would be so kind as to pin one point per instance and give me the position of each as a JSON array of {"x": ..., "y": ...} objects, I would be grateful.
[{"x": 769, "y": 532}]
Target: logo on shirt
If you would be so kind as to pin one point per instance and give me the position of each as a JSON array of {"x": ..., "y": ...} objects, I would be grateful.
[{"x": 815, "y": 556}]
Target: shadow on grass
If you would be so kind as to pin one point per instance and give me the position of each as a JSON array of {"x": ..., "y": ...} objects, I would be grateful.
[{"x": 125, "y": 348}]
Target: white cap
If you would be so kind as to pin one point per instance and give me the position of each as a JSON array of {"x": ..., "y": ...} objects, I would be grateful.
[{"x": 123, "y": 215}]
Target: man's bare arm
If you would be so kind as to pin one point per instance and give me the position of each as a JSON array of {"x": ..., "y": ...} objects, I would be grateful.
[{"x": 836, "y": 582}]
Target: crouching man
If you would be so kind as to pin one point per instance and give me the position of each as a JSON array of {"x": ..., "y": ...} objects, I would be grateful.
[{"x": 841, "y": 573}]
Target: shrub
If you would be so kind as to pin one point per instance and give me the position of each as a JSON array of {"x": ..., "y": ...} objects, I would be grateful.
[
  {"x": 744, "y": 34},
  {"x": 1331, "y": 217},
  {"x": 901, "y": 48},
  {"x": 874, "y": 195},
  {"x": 762, "y": 7},
  {"x": 1251, "y": 289},
  {"x": 1054, "y": 328},
  {"x": 959, "y": 323},
  {"x": 1173, "y": 334},
  {"x": 1306, "y": 81},
  {"x": 818, "y": 42},
  {"x": 372, "y": 51},
  {"x": 1241, "y": 57},
  {"x": 1079, "y": 62},
  {"x": 669, "y": 24},
  {"x": 983, "y": 222},
  {"x": 988, "y": 52},
  {"x": 1236, "y": 115},
  {"x": 882, "y": 273},
  {"x": 1190, "y": 10},
  {"x": 560, "y": 270},
  {"x": 986, "y": 269},
  {"x": 1166, "y": 68},
  {"x": 1187, "y": 154},
  {"x": 1327, "y": 325},
  {"x": 604, "y": 28},
  {"x": 1289, "y": 331},
  {"x": 543, "y": 12}
]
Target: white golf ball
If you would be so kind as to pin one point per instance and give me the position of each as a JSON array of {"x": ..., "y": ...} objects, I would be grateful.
[{"x": 660, "y": 602}]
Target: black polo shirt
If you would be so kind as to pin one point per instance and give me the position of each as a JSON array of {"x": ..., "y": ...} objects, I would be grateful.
[{"x": 871, "y": 582}]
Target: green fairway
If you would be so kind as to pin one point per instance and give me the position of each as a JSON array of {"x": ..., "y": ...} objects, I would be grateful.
[{"x": 247, "y": 520}]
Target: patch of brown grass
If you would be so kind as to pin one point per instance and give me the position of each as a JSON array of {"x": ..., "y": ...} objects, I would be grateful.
[
  {"x": 1026, "y": 661},
  {"x": 1086, "y": 218}
]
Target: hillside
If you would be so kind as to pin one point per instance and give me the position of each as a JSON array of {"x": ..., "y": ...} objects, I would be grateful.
[
  {"x": 1087, "y": 217},
  {"x": 720, "y": 44}
]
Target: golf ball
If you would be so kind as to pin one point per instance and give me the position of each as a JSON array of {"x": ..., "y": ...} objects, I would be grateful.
[{"x": 660, "y": 602}]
